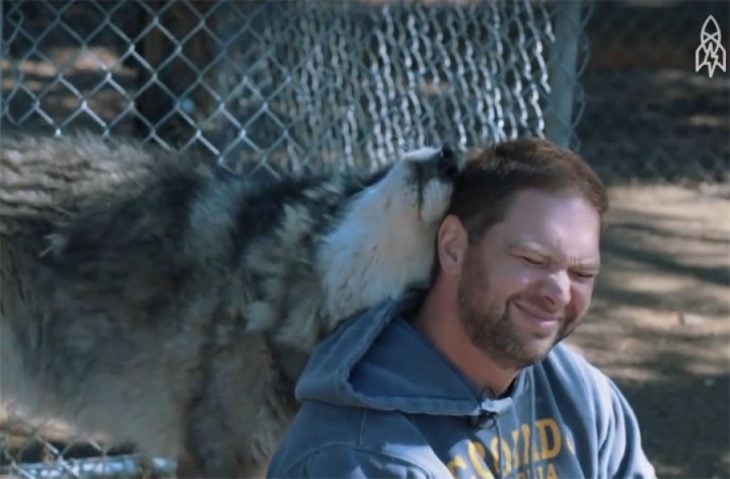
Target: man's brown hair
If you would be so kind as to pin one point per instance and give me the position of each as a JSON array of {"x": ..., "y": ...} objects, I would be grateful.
[{"x": 485, "y": 189}]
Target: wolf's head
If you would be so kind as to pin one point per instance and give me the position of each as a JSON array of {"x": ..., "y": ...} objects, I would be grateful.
[
  {"x": 420, "y": 184},
  {"x": 385, "y": 242}
]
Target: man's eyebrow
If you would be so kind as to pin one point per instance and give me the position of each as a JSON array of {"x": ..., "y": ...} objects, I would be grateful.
[
  {"x": 586, "y": 264},
  {"x": 529, "y": 245}
]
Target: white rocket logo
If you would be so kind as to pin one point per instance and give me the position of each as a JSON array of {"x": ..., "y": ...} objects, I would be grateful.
[{"x": 710, "y": 53}]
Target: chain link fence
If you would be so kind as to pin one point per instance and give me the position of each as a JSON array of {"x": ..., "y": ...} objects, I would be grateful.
[
  {"x": 50, "y": 449},
  {"x": 297, "y": 84},
  {"x": 649, "y": 116}
]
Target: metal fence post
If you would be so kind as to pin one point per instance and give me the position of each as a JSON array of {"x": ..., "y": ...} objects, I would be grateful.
[{"x": 562, "y": 72}]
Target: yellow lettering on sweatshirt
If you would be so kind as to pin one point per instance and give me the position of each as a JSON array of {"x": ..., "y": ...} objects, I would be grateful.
[
  {"x": 455, "y": 464},
  {"x": 527, "y": 445},
  {"x": 516, "y": 448},
  {"x": 550, "y": 438},
  {"x": 524, "y": 453},
  {"x": 477, "y": 456},
  {"x": 551, "y": 473},
  {"x": 504, "y": 454}
]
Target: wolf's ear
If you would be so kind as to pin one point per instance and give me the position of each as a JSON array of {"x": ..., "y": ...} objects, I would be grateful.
[{"x": 451, "y": 244}]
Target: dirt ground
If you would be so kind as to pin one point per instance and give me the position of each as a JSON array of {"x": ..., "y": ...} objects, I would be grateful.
[{"x": 660, "y": 321}]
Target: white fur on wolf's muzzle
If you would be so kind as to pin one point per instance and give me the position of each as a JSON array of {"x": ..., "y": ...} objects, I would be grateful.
[{"x": 385, "y": 243}]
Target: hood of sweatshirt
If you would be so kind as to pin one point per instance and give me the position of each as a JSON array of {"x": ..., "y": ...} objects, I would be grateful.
[
  {"x": 379, "y": 361},
  {"x": 562, "y": 417}
]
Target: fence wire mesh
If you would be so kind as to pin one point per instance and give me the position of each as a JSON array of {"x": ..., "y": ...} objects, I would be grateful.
[
  {"x": 49, "y": 449},
  {"x": 649, "y": 116},
  {"x": 297, "y": 84}
]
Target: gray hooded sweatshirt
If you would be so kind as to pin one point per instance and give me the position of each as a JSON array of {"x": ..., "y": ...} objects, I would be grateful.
[{"x": 378, "y": 400}]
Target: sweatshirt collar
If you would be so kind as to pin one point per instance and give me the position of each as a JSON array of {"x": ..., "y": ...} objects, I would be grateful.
[{"x": 379, "y": 361}]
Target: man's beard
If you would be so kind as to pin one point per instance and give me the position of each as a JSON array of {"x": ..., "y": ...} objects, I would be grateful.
[{"x": 494, "y": 330}]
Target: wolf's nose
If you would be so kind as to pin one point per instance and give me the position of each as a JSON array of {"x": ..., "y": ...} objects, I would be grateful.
[{"x": 448, "y": 164}]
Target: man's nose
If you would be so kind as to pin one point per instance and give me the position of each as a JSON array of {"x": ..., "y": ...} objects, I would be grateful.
[{"x": 556, "y": 289}]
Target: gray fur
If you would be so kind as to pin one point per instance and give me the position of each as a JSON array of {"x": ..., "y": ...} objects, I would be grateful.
[{"x": 146, "y": 298}]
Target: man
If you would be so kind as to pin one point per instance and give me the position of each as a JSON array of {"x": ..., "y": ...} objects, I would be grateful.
[{"x": 468, "y": 380}]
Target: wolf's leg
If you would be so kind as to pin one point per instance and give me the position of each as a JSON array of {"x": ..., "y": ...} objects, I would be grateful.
[
  {"x": 20, "y": 324},
  {"x": 241, "y": 412}
]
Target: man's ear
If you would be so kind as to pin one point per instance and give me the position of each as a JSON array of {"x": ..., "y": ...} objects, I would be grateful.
[{"x": 451, "y": 242}]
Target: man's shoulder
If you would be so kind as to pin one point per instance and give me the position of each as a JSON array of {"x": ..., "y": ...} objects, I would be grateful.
[
  {"x": 327, "y": 438},
  {"x": 585, "y": 395}
]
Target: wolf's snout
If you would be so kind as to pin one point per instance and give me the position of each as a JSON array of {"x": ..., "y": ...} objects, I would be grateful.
[{"x": 447, "y": 164}]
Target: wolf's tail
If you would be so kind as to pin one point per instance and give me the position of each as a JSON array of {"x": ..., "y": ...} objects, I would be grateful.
[{"x": 44, "y": 180}]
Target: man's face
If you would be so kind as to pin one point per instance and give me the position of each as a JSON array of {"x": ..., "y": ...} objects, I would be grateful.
[{"x": 527, "y": 283}]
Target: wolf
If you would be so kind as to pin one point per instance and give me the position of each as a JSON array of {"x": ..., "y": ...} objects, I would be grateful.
[{"x": 150, "y": 298}]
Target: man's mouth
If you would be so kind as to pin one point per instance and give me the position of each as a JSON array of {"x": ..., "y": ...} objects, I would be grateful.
[{"x": 538, "y": 317}]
